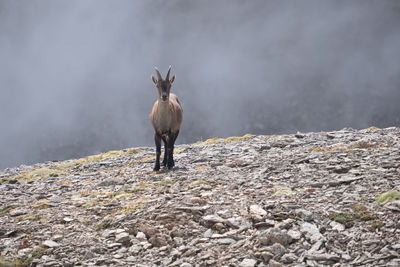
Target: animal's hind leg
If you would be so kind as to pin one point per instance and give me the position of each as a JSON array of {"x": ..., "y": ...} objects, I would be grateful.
[
  {"x": 172, "y": 138},
  {"x": 164, "y": 163},
  {"x": 157, "y": 139},
  {"x": 175, "y": 136}
]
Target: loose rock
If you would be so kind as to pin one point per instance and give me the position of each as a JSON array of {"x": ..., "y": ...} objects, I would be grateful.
[
  {"x": 274, "y": 235},
  {"x": 248, "y": 263},
  {"x": 281, "y": 200}
]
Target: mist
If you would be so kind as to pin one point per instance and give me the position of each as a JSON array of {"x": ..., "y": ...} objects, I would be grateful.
[{"x": 75, "y": 75}]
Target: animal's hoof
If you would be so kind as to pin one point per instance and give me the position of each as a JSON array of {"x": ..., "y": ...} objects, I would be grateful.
[
  {"x": 156, "y": 168},
  {"x": 170, "y": 165}
]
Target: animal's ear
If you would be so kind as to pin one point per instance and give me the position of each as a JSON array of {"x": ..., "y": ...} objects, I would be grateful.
[
  {"x": 154, "y": 79},
  {"x": 172, "y": 79}
]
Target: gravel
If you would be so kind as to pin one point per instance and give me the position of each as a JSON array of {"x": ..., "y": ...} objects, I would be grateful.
[{"x": 307, "y": 199}]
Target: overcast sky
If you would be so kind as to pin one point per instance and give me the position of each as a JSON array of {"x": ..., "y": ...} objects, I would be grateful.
[{"x": 75, "y": 75}]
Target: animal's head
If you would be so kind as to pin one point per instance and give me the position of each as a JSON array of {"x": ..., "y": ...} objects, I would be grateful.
[{"x": 163, "y": 85}]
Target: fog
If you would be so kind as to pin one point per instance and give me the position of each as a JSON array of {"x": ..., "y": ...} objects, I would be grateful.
[{"x": 75, "y": 75}]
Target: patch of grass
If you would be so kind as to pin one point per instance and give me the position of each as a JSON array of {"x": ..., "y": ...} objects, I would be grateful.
[
  {"x": 140, "y": 186},
  {"x": 31, "y": 217},
  {"x": 165, "y": 182},
  {"x": 376, "y": 225},
  {"x": 201, "y": 167},
  {"x": 104, "y": 224},
  {"x": 147, "y": 159},
  {"x": 42, "y": 173},
  {"x": 7, "y": 263},
  {"x": 319, "y": 149},
  {"x": 62, "y": 169},
  {"x": 86, "y": 221},
  {"x": 372, "y": 128},
  {"x": 132, "y": 209},
  {"x": 358, "y": 207},
  {"x": 327, "y": 150},
  {"x": 6, "y": 209},
  {"x": 341, "y": 217},
  {"x": 362, "y": 145},
  {"x": 24, "y": 261},
  {"x": 162, "y": 217},
  {"x": 361, "y": 213},
  {"x": 41, "y": 205},
  {"x": 283, "y": 193},
  {"x": 231, "y": 139},
  {"x": 197, "y": 184},
  {"x": 134, "y": 206},
  {"x": 180, "y": 150},
  {"x": 64, "y": 182},
  {"x": 90, "y": 204},
  {"x": 278, "y": 137},
  {"x": 102, "y": 156},
  {"x": 123, "y": 195},
  {"x": 93, "y": 194},
  {"x": 388, "y": 196},
  {"x": 358, "y": 212},
  {"x": 365, "y": 216}
]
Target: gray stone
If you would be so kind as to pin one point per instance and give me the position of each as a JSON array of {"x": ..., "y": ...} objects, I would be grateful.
[
  {"x": 122, "y": 238},
  {"x": 311, "y": 232},
  {"x": 208, "y": 233},
  {"x": 113, "y": 245},
  {"x": 178, "y": 241},
  {"x": 68, "y": 219},
  {"x": 274, "y": 235},
  {"x": 396, "y": 246},
  {"x": 322, "y": 257},
  {"x": 135, "y": 249},
  {"x": 304, "y": 214},
  {"x": 286, "y": 224},
  {"x": 248, "y": 263},
  {"x": 57, "y": 238},
  {"x": 141, "y": 236},
  {"x": 273, "y": 263},
  {"x": 175, "y": 253},
  {"x": 213, "y": 219},
  {"x": 266, "y": 256},
  {"x": 226, "y": 241},
  {"x": 256, "y": 210},
  {"x": 158, "y": 240},
  {"x": 50, "y": 244},
  {"x": 277, "y": 250},
  {"x": 118, "y": 256},
  {"x": 289, "y": 258},
  {"x": 337, "y": 226},
  {"x": 17, "y": 212},
  {"x": 296, "y": 235}
]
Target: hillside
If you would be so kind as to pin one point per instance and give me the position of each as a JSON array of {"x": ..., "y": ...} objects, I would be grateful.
[{"x": 310, "y": 199}]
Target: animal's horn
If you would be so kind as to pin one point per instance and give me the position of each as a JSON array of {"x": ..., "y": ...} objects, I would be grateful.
[
  {"x": 158, "y": 74},
  {"x": 169, "y": 69}
]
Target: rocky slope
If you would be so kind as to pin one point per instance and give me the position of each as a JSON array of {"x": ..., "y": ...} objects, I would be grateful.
[{"x": 295, "y": 200}]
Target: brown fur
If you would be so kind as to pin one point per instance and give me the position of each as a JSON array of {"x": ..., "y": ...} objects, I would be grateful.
[{"x": 170, "y": 121}]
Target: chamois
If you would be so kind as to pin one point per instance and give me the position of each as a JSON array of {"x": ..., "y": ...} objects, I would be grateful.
[{"x": 166, "y": 119}]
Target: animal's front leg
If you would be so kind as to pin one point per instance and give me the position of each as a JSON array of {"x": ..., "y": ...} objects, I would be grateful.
[{"x": 157, "y": 140}]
